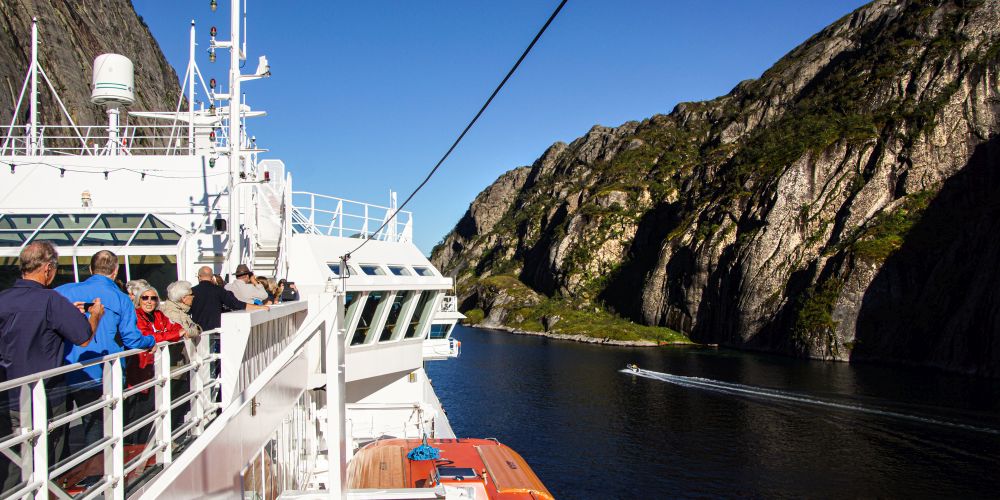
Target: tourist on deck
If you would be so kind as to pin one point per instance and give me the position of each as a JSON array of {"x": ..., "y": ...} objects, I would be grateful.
[
  {"x": 246, "y": 287},
  {"x": 177, "y": 307},
  {"x": 271, "y": 287},
  {"x": 133, "y": 286},
  {"x": 218, "y": 280},
  {"x": 35, "y": 323},
  {"x": 155, "y": 324},
  {"x": 115, "y": 333},
  {"x": 210, "y": 300}
]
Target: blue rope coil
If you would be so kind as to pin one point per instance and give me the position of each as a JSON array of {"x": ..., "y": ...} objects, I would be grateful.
[{"x": 424, "y": 452}]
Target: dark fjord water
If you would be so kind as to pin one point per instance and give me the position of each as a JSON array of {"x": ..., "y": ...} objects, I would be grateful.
[{"x": 721, "y": 423}]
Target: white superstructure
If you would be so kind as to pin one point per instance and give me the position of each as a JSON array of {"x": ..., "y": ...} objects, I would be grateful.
[{"x": 278, "y": 400}]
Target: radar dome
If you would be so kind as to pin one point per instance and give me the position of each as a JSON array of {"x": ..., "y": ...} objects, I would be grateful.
[{"x": 114, "y": 80}]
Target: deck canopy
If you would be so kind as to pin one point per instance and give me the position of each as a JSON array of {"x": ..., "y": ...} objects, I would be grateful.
[{"x": 147, "y": 245}]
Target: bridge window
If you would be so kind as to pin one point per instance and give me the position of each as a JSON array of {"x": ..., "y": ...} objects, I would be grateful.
[
  {"x": 393, "y": 317},
  {"x": 367, "y": 317},
  {"x": 372, "y": 270},
  {"x": 440, "y": 331},
  {"x": 399, "y": 271},
  {"x": 420, "y": 314},
  {"x": 423, "y": 271}
]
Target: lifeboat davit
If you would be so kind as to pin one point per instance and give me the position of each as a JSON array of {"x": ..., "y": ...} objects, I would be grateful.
[{"x": 473, "y": 468}]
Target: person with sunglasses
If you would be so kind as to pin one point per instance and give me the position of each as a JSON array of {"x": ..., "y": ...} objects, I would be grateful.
[{"x": 152, "y": 323}]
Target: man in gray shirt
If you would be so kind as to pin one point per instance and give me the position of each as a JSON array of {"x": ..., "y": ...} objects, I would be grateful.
[{"x": 246, "y": 288}]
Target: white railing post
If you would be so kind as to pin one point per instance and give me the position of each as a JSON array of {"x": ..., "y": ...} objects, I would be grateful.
[
  {"x": 198, "y": 353},
  {"x": 312, "y": 211},
  {"x": 38, "y": 417},
  {"x": 114, "y": 458},
  {"x": 161, "y": 404}
]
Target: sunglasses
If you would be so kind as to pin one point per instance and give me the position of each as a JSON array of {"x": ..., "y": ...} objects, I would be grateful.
[{"x": 149, "y": 298}]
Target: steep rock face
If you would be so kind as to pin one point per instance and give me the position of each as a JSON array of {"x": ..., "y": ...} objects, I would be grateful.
[
  {"x": 71, "y": 35},
  {"x": 795, "y": 214}
]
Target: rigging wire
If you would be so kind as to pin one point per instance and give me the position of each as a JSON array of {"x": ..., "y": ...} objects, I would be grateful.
[{"x": 465, "y": 131}]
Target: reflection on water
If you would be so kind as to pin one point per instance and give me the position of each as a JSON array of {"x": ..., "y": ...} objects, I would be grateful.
[{"x": 591, "y": 431}]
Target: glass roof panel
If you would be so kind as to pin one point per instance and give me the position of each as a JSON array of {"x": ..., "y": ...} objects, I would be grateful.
[
  {"x": 13, "y": 238},
  {"x": 119, "y": 221},
  {"x": 22, "y": 221},
  {"x": 154, "y": 223},
  {"x": 69, "y": 221},
  {"x": 59, "y": 238},
  {"x": 107, "y": 238},
  {"x": 146, "y": 237}
]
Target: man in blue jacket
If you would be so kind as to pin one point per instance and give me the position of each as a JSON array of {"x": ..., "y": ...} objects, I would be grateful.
[{"x": 116, "y": 333}]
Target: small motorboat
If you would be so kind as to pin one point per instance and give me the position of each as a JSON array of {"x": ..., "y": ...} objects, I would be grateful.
[{"x": 632, "y": 366}]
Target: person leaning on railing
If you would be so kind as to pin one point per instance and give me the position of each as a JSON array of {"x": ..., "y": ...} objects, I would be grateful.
[
  {"x": 155, "y": 324},
  {"x": 247, "y": 287},
  {"x": 177, "y": 308},
  {"x": 116, "y": 332},
  {"x": 210, "y": 300},
  {"x": 35, "y": 322}
]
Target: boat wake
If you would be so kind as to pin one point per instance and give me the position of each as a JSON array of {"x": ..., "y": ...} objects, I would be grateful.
[{"x": 796, "y": 398}]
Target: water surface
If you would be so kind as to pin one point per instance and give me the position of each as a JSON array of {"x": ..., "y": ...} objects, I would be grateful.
[{"x": 719, "y": 423}]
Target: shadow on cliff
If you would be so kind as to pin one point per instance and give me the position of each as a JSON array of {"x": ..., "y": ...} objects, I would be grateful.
[
  {"x": 936, "y": 301},
  {"x": 624, "y": 292}
]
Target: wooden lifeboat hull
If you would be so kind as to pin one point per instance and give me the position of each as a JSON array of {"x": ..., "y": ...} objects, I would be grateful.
[{"x": 484, "y": 467}]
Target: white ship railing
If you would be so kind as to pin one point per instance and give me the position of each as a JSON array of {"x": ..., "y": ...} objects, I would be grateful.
[
  {"x": 442, "y": 348},
  {"x": 28, "y": 445},
  {"x": 328, "y": 215},
  {"x": 92, "y": 140},
  {"x": 256, "y": 340}
]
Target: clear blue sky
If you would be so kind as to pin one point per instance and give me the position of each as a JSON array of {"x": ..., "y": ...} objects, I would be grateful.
[{"x": 366, "y": 96}]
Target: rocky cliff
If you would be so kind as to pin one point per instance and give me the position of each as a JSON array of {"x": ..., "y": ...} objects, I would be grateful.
[
  {"x": 843, "y": 206},
  {"x": 71, "y": 35}
]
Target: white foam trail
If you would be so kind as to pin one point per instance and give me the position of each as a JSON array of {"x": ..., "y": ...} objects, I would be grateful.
[{"x": 761, "y": 392}]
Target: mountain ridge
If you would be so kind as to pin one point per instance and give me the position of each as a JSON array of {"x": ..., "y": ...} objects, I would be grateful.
[{"x": 763, "y": 219}]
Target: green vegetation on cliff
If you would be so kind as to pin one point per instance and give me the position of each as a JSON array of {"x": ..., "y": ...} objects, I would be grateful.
[{"x": 526, "y": 310}]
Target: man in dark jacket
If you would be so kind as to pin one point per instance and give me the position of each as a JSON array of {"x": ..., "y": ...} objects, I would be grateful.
[
  {"x": 211, "y": 300},
  {"x": 35, "y": 323}
]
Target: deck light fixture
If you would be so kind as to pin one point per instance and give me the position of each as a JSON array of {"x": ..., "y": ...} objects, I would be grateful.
[
  {"x": 62, "y": 172},
  {"x": 211, "y": 135},
  {"x": 213, "y": 5},
  {"x": 211, "y": 163},
  {"x": 105, "y": 175},
  {"x": 212, "y": 83},
  {"x": 267, "y": 176},
  {"x": 211, "y": 55},
  {"x": 213, "y": 31}
]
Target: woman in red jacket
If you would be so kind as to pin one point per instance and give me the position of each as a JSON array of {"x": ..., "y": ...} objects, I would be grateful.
[{"x": 155, "y": 324}]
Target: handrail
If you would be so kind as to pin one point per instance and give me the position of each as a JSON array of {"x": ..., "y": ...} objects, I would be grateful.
[
  {"x": 350, "y": 218},
  {"x": 62, "y": 370},
  {"x": 35, "y": 425}
]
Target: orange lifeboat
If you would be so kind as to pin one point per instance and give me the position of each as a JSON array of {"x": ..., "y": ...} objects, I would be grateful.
[{"x": 479, "y": 468}]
